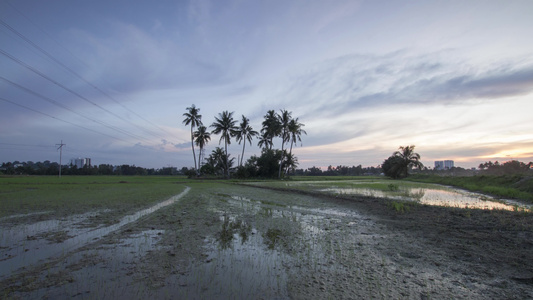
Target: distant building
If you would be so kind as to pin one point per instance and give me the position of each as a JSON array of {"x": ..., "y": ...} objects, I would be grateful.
[
  {"x": 80, "y": 162},
  {"x": 448, "y": 164},
  {"x": 444, "y": 164}
]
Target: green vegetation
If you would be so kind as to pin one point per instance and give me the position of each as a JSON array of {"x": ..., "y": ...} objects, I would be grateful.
[
  {"x": 507, "y": 186},
  {"x": 79, "y": 194},
  {"x": 399, "y": 206},
  {"x": 398, "y": 165}
]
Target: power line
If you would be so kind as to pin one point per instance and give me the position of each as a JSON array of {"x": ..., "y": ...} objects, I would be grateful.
[
  {"x": 60, "y": 85},
  {"x": 42, "y": 113},
  {"x": 27, "y": 90},
  {"x": 86, "y": 81}
]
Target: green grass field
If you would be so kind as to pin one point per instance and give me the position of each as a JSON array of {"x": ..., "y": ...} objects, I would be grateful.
[{"x": 79, "y": 194}]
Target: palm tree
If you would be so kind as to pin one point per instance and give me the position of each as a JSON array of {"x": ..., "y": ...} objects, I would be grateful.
[
  {"x": 246, "y": 133},
  {"x": 271, "y": 128},
  {"x": 225, "y": 125},
  {"x": 295, "y": 134},
  {"x": 408, "y": 159},
  {"x": 193, "y": 118},
  {"x": 291, "y": 161},
  {"x": 201, "y": 138},
  {"x": 284, "y": 118},
  {"x": 265, "y": 142}
]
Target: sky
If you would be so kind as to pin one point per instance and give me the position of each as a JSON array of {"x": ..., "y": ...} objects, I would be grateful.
[{"x": 112, "y": 79}]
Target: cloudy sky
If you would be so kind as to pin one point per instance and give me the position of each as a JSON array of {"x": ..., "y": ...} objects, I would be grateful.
[{"x": 112, "y": 79}]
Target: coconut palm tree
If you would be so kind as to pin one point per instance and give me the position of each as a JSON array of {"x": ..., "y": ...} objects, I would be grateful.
[
  {"x": 245, "y": 132},
  {"x": 408, "y": 159},
  {"x": 201, "y": 138},
  {"x": 271, "y": 128},
  {"x": 225, "y": 125},
  {"x": 291, "y": 162},
  {"x": 284, "y": 118},
  {"x": 265, "y": 142},
  {"x": 295, "y": 134},
  {"x": 193, "y": 118}
]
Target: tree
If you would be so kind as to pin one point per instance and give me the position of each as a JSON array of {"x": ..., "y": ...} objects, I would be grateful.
[
  {"x": 266, "y": 165},
  {"x": 295, "y": 133},
  {"x": 265, "y": 142},
  {"x": 291, "y": 162},
  {"x": 245, "y": 132},
  {"x": 201, "y": 138},
  {"x": 193, "y": 118},
  {"x": 271, "y": 128},
  {"x": 225, "y": 125},
  {"x": 284, "y": 119},
  {"x": 398, "y": 165}
]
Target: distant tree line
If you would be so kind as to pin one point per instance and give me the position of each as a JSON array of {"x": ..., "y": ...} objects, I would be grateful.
[
  {"x": 506, "y": 168},
  {"x": 339, "y": 171},
  {"x": 52, "y": 168}
]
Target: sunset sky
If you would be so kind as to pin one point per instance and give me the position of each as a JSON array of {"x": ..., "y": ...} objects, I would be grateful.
[{"x": 112, "y": 79}]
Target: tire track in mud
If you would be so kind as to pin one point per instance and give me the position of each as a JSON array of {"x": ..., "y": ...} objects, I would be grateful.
[{"x": 25, "y": 256}]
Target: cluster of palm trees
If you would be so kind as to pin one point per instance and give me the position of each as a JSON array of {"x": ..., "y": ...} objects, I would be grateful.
[{"x": 281, "y": 125}]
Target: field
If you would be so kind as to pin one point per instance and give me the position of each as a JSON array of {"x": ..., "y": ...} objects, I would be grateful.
[{"x": 81, "y": 238}]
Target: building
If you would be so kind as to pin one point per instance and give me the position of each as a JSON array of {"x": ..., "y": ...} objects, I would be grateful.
[
  {"x": 444, "y": 164},
  {"x": 448, "y": 164},
  {"x": 80, "y": 162}
]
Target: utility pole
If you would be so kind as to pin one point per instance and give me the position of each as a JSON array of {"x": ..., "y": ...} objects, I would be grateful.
[{"x": 60, "y": 148}]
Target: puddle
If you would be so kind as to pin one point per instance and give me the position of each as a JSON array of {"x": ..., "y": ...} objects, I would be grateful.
[
  {"x": 23, "y": 246},
  {"x": 98, "y": 273},
  {"x": 441, "y": 197},
  {"x": 261, "y": 244},
  {"x": 241, "y": 267}
]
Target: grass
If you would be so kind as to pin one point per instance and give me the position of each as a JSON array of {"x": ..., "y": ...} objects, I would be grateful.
[{"x": 79, "y": 194}]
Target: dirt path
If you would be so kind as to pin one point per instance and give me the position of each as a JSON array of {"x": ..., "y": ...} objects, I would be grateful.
[{"x": 228, "y": 241}]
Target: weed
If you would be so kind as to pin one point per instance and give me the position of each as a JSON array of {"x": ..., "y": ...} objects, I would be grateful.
[
  {"x": 399, "y": 206},
  {"x": 393, "y": 187}
]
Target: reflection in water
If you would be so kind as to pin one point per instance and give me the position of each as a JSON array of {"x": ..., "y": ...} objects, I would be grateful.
[
  {"x": 229, "y": 229},
  {"x": 431, "y": 196}
]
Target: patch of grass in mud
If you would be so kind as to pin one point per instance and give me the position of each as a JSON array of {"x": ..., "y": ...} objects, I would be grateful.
[
  {"x": 399, "y": 206},
  {"x": 78, "y": 194}
]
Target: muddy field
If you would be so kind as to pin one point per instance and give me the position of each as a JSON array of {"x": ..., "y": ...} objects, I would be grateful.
[{"x": 223, "y": 240}]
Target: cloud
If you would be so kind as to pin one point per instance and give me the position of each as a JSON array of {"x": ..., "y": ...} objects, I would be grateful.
[{"x": 351, "y": 83}]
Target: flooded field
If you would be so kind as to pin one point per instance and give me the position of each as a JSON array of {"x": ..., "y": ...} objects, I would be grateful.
[
  {"x": 430, "y": 194},
  {"x": 220, "y": 240}
]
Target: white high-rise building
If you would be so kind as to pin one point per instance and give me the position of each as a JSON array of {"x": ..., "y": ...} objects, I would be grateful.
[
  {"x": 448, "y": 164},
  {"x": 444, "y": 164},
  {"x": 80, "y": 162}
]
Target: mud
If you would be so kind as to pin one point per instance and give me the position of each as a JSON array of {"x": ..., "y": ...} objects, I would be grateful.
[{"x": 230, "y": 241}]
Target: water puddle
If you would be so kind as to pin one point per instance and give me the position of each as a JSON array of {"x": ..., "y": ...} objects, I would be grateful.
[
  {"x": 23, "y": 246},
  {"x": 98, "y": 273},
  {"x": 238, "y": 265},
  {"x": 441, "y": 197}
]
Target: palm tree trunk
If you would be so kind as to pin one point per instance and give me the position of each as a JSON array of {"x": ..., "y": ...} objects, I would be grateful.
[
  {"x": 242, "y": 156},
  {"x": 281, "y": 161},
  {"x": 290, "y": 154},
  {"x": 192, "y": 146},
  {"x": 226, "y": 159},
  {"x": 199, "y": 161}
]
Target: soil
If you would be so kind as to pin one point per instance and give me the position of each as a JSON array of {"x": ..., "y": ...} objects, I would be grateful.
[{"x": 233, "y": 241}]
